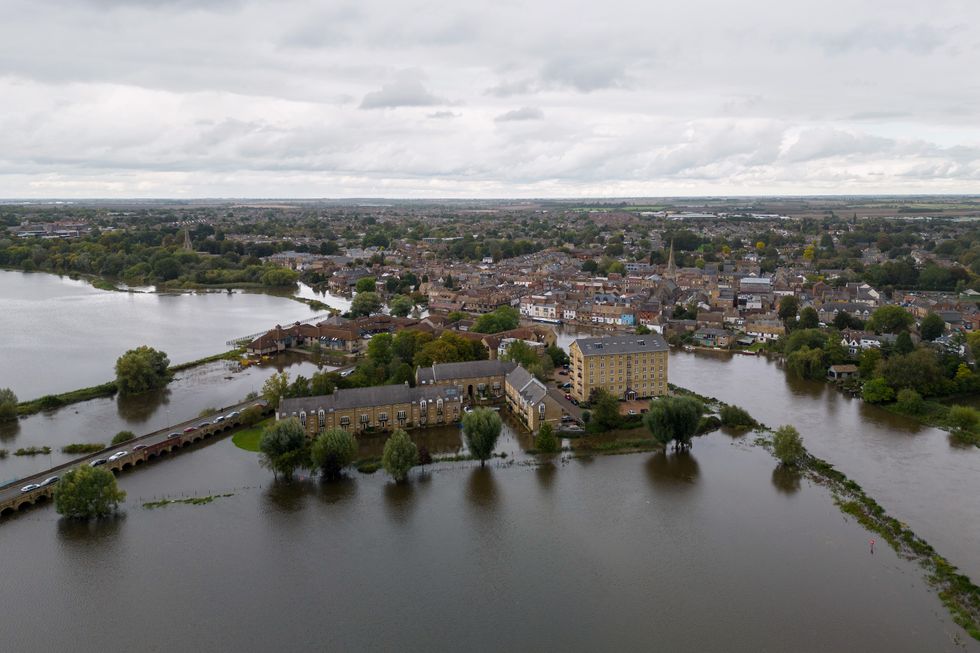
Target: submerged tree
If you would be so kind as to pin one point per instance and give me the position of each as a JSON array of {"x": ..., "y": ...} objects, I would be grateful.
[
  {"x": 546, "y": 442},
  {"x": 87, "y": 492},
  {"x": 332, "y": 451},
  {"x": 399, "y": 456},
  {"x": 481, "y": 427},
  {"x": 142, "y": 369},
  {"x": 8, "y": 405},
  {"x": 285, "y": 448},
  {"x": 674, "y": 419},
  {"x": 788, "y": 445}
]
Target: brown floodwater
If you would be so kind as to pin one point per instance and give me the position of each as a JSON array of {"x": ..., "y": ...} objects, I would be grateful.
[{"x": 707, "y": 550}]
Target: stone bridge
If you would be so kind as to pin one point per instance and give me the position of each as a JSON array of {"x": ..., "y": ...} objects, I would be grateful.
[{"x": 152, "y": 445}]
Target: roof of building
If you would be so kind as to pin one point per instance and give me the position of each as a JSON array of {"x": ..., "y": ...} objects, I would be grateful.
[
  {"x": 377, "y": 395},
  {"x": 527, "y": 386},
  {"x": 465, "y": 370},
  {"x": 621, "y": 344}
]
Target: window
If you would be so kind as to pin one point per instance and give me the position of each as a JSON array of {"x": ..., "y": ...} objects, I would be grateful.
[
  {"x": 302, "y": 418},
  {"x": 345, "y": 421},
  {"x": 365, "y": 419},
  {"x": 382, "y": 417},
  {"x": 401, "y": 416},
  {"x": 322, "y": 418},
  {"x": 541, "y": 409}
]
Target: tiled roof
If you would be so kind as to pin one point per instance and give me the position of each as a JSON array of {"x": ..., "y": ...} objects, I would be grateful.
[{"x": 378, "y": 395}]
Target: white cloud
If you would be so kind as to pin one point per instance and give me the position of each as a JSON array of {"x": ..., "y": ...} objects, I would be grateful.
[{"x": 253, "y": 97}]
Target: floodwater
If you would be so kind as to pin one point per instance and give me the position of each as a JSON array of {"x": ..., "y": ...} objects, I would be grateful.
[
  {"x": 703, "y": 551},
  {"x": 214, "y": 385},
  {"x": 61, "y": 334},
  {"x": 915, "y": 472}
]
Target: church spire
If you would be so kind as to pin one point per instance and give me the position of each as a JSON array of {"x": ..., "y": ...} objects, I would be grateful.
[{"x": 671, "y": 266}]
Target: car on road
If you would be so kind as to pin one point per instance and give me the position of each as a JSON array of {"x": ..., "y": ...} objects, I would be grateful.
[
  {"x": 568, "y": 397},
  {"x": 118, "y": 455},
  {"x": 97, "y": 462},
  {"x": 30, "y": 488},
  {"x": 233, "y": 414},
  {"x": 51, "y": 480},
  {"x": 203, "y": 424},
  {"x": 189, "y": 429},
  {"x": 140, "y": 447},
  {"x": 566, "y": 385},
  {"x": 574, "y": 401},
  {"x": 177, "y": 435},
  {"x": 219, "y": 419}
]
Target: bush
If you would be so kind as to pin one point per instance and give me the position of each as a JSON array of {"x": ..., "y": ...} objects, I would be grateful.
[
  {"x": 399, "y": 456},
  {"x": 708, "y": 424},
  {"x": 877, "y": 391},
  {"x": 82, "y": 448},
  {"x": 33, "y": 451},
  {"x": 142, "y": 369},
  {"x": 251, "y": 415},
  {"x": 788, "y": 445},
  {"x": 674, "y": 419},
  {"x": 963, "y": 417},
  {"x": 909, "y": 401},
  {"x": 123, "y": 436},
  {"x": 285, "y": 448},
  {"x": 736, "y": 417},
  {"x": 8, "y": 405}
]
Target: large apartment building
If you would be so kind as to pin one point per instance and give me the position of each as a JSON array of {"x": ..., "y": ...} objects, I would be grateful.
[{"x": 628, "y": 367}]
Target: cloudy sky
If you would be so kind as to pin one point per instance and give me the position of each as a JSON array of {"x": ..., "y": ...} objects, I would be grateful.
[{"x": 502, "y": 98}]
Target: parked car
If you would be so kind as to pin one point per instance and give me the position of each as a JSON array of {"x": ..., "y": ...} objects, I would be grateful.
[
  {"x": 233, "y": 414},
  {"x": 51, "y": 480},
  {"x": 631, "y": 412},
  {"x": 97, "y": 462},
  {"x": 118, "y": 455},
  {"x": 189, "y": 429},
  {"x": 30, "y": 488},
  {"x": 563, "y": 372},
  {"x": 219, "y": 419},
  {"x": 203, "y": 424},
  {"x": 140, "y": 447},
  {"x": 574, "y": 402},
  {"x": 568, "y": 397}
]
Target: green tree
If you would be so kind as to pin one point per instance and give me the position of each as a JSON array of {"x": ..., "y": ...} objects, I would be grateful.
[
  {"x": 365, "y": 284},
  {"x": 809, "y": 318},
  {"x": 251, "y": 416},
  {"x": 590, "y": 266},
  {"x": 401, "y": 306},
  {"x": 788, "y": 446},
  {"x": 87, "y": 492},
  {"x": 877, "y": 391},
  {"x": 545, "y": 441},
  {"x": 903, "y": 343},
  {"x": 520, "y": 352},
  {"x": 557, "y": 355},
  {"x": 332, "y": 451},
  {"x": 812, "y": 338},
  {"x": 642, "y": 330},
  {"x": 275, "y": 388},
  {"x": 142, "y": 369},
  {"x": 789, "y": 306},
  {"x": 807, "y": 363},
  {"x": 674, "y": 419},
  {"x": 605, "y": 411},
  {"x": 365, "y": 303},
  {"x": 932, "y": 327},
  {"x": 919, "y": 370},
  {"x": 909, "y": 401},
  {"x": 868, "y": 362},
  {"x": 379, "y": 349},
  {"x": 503, "y": 318},
  {"x": 481, "y": 428},
  {"x": 890, "y": 319},
  {"x": 399, "y": 456},
  {"x": 285, "y": 448},
  {"x": 279, "y": 277},
  {"x": 123, "y": 436},
  {"x": 8, "y": 405}
]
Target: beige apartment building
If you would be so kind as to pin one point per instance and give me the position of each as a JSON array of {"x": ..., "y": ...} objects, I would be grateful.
[{"x": 627, "y": 366}]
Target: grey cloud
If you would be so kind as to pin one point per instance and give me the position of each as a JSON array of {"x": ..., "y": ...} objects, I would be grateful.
[
  {"x": 524, "y": 113},
  {"x": 443, "y": 115},
  {"x": 584, "y": 74},
  {"x": 403, "y": 92},
  {"x": 918, "y": 39}
]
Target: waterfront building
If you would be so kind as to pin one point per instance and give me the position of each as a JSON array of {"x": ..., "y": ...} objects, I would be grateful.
[
  {"x": 471, "y": 379},
  {"x": 628, "y": 367},
  {"x": 529, "y": 401},
  {"x": 376, "y": 408}
]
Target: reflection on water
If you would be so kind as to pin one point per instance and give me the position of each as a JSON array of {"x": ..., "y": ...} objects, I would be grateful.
[
  {"x": 481, "y": 488},
  {"x": 137, "y": 409},
  {"x": 9, "y": 430},
  {"x": 546, "y": 473},
  {"x": 84, "y": 533},
  {"x": 399, "y": 500},
  {"x": 288, "y": 496},
  {"x": 673, "y": 470},
  {"x": 786, "y": 479},
  {"x": 337, "y": 491}
]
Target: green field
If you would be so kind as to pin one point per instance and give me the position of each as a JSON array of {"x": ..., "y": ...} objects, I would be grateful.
[{"x": 248, "y": 439}]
